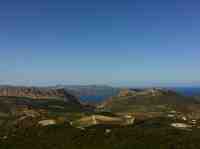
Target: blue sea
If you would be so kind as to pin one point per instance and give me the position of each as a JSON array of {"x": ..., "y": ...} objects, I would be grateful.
[
  {"x": 93, "y": 98},
  {"x": 187, "y": 91}
]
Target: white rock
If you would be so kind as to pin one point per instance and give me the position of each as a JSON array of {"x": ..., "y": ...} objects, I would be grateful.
[
  {"x": 107, "y": 131},
  {"x": 180, "y": 125},
  {"x": 170, "y": 115},
  {"x": 47, "y": 122},
  {"x": 184, "y": 118},
  {"x": 5, "y": 137}
]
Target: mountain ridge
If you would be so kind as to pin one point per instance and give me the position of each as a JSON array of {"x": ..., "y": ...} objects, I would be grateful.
[{"x": 37, "y": 93}]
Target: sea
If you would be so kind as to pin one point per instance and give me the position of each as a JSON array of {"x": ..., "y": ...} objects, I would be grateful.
[
  {"x": 94, "y": 99},
  {"x": 187, "y": 91}
]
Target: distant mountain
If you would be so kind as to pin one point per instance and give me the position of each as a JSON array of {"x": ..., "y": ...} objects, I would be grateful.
[{"x": 37, "y": 93}]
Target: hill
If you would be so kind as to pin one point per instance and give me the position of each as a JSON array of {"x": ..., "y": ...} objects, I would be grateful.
[
  {"x": 37, "y": 93},
  {"x": 150, "y": 100}
]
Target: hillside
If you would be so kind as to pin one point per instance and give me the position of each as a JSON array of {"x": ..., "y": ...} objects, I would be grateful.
[{"x": 150, "y": 100}]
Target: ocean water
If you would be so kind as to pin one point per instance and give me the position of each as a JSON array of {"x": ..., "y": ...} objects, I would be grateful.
[
  {"x": 93, "y": 98},
  {"x": 187, "y": 91}
]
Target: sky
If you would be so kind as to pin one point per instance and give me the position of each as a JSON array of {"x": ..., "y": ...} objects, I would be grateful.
[{"x": 114, "y": 42}]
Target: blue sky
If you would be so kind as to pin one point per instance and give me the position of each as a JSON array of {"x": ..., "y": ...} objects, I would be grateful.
[{"x": 123, "y": 42}]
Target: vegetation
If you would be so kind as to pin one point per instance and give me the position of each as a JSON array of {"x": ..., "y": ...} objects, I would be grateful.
[{"x": 152, "y": 134}]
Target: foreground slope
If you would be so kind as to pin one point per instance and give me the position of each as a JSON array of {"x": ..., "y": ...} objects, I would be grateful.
[{"x": 150, "y": 136}]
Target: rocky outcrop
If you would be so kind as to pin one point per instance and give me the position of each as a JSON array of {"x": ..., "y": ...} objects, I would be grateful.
[
  {"x": 36, "y": 93},
  {"x": 47, "y": 122}
]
